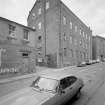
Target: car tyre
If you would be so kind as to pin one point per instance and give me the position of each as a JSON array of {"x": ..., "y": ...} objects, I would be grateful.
[{"x": 78, "y": 94}]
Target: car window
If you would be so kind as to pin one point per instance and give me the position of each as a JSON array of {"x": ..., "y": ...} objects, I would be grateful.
[
  {"x": 46, "y": 84},
  {"x": 66, "y": 82},
  {"x": 63, "y": 83},
  {"x": 71, "y": 80}
]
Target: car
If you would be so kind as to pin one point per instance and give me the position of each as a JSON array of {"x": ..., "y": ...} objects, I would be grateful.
[
  {"x": 94, "y": 61},
  {"x": 60, "y": 89},
  {"x": 81, "y": 64},
  {"x": 88, "y": 62},
  {"x": 46, "y": 90},
  {"x": 98, "y": 60},
  {"x": 103, "y": 60}
]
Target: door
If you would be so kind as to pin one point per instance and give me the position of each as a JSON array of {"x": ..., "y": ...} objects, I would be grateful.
[
  {"x": 73, "y": 86},
  {"x": 65, "y": 92}
]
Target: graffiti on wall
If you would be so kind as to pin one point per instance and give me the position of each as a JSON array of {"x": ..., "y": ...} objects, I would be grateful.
[{"x": 8, "y": 70}]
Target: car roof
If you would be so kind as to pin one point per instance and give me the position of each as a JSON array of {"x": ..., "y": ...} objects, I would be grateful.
[{"x": 57, "y": 76}]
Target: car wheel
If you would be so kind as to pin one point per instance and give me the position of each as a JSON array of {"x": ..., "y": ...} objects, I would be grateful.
[{"x": 78, "y": 94}]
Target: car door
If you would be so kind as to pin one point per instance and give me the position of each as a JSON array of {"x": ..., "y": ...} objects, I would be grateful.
[
  {"x": 60, "y": 96},
  {"x": 65, "y": 92},
  {"x": 73, "y": 85},
  {"x": 69, "y": 88}
]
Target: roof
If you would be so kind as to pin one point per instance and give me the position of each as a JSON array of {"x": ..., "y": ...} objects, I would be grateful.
[
  {"x": 4, "y": 19},
  {"x": 100, "y": 37}
]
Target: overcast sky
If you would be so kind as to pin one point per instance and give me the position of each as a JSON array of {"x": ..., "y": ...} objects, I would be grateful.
[{"x": 91, "y": 12}]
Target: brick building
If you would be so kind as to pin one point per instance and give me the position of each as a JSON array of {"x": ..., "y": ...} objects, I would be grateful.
[
  {"x": 17, "y": 43},
  {"x": 62, "y": 39},
  {"x": 98, "y": 47}
]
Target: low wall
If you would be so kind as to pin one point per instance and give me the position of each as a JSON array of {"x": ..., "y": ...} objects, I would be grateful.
[{"x": 12, "y": 84}]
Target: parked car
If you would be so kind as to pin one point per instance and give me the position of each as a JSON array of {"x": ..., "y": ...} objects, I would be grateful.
[
  {"x": 46, "y": 90},
  {"x": 103, "y": 60},
  {"x": 98, "y": 60},
  {"x": 88, "y": 62},
  {"x": 94, "y": 61},
  {"x": 59, "y": 89},
  {"x": 82, "y": 64}
]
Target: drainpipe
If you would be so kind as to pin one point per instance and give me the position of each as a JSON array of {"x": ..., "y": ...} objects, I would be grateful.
[
  {"x": 45, "y": 29},
  {"x": 60, "y": 39}
]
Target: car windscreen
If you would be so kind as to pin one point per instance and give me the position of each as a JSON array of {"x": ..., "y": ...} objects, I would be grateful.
[{"x": 46, "y": 84}]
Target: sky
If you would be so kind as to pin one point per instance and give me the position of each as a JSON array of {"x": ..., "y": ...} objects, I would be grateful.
[{"x": 91, "y": 12}]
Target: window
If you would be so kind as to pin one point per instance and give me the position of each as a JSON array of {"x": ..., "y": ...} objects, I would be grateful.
[
  {"x": 39, "y": 48},
  {"x": 47, "y": 5},
  {"x": 75, "y": 42},
  {"x": 63, "y": 83},
  {"x": 83, "y": 34},
  {"x": 65, "y": 37},
  {"x": 68, "y": 81},
  {"x": 11, "y": 29},
  {"x": 25, "y": 34},
  {"x": 80, "y": 54},
  {"x": 39, "y": 25},
  {"x": 39, "y": 38},
  {"x": 33, "y": 27},
  {"x": 65, "y": 51},
  {"x": 70, "y": 25},
  {"x": 33, "y": 14},
  {"x": 80, "y": 31},
  {"x": 45, "y": 84},
  {"x": 86, "y": 55},
  {"x": 71, "y": 80},
  {"x": 83, "y": 44},
  {"x": 39, "y": 11},
  {"x": 75, "y": 28},
  {"x": 71, "y": 39},
  {"x": 77, "y": 55},
  {"x": 25, "y": 54},
  {"x": 71, "y": 53},
  {"x": 80, "y": 42},
  {"x": 86, "y": 46},
  {"x": 89, "y": 38},
  {"x": 64, "y": 20},
  {"x": 86, "y": 36}
]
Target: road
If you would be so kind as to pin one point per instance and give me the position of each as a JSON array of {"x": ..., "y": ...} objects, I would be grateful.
[
  {"x": 93, "y": 77},
  {"x": 99, "y": 97},
  {"x": 92, "y": 93}
]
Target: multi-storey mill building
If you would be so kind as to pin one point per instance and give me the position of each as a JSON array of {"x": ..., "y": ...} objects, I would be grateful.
[{"x": 62, "y": 38}]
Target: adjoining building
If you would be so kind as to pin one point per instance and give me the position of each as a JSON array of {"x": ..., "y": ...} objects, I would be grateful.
[
  {"x": 17, "y": 48},
  {"x": 98, "y": 47},
  {"x": 62, "y": 39}
]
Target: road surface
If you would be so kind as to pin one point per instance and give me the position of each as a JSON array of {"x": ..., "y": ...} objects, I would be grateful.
[{"x": 93, "y": 92}]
